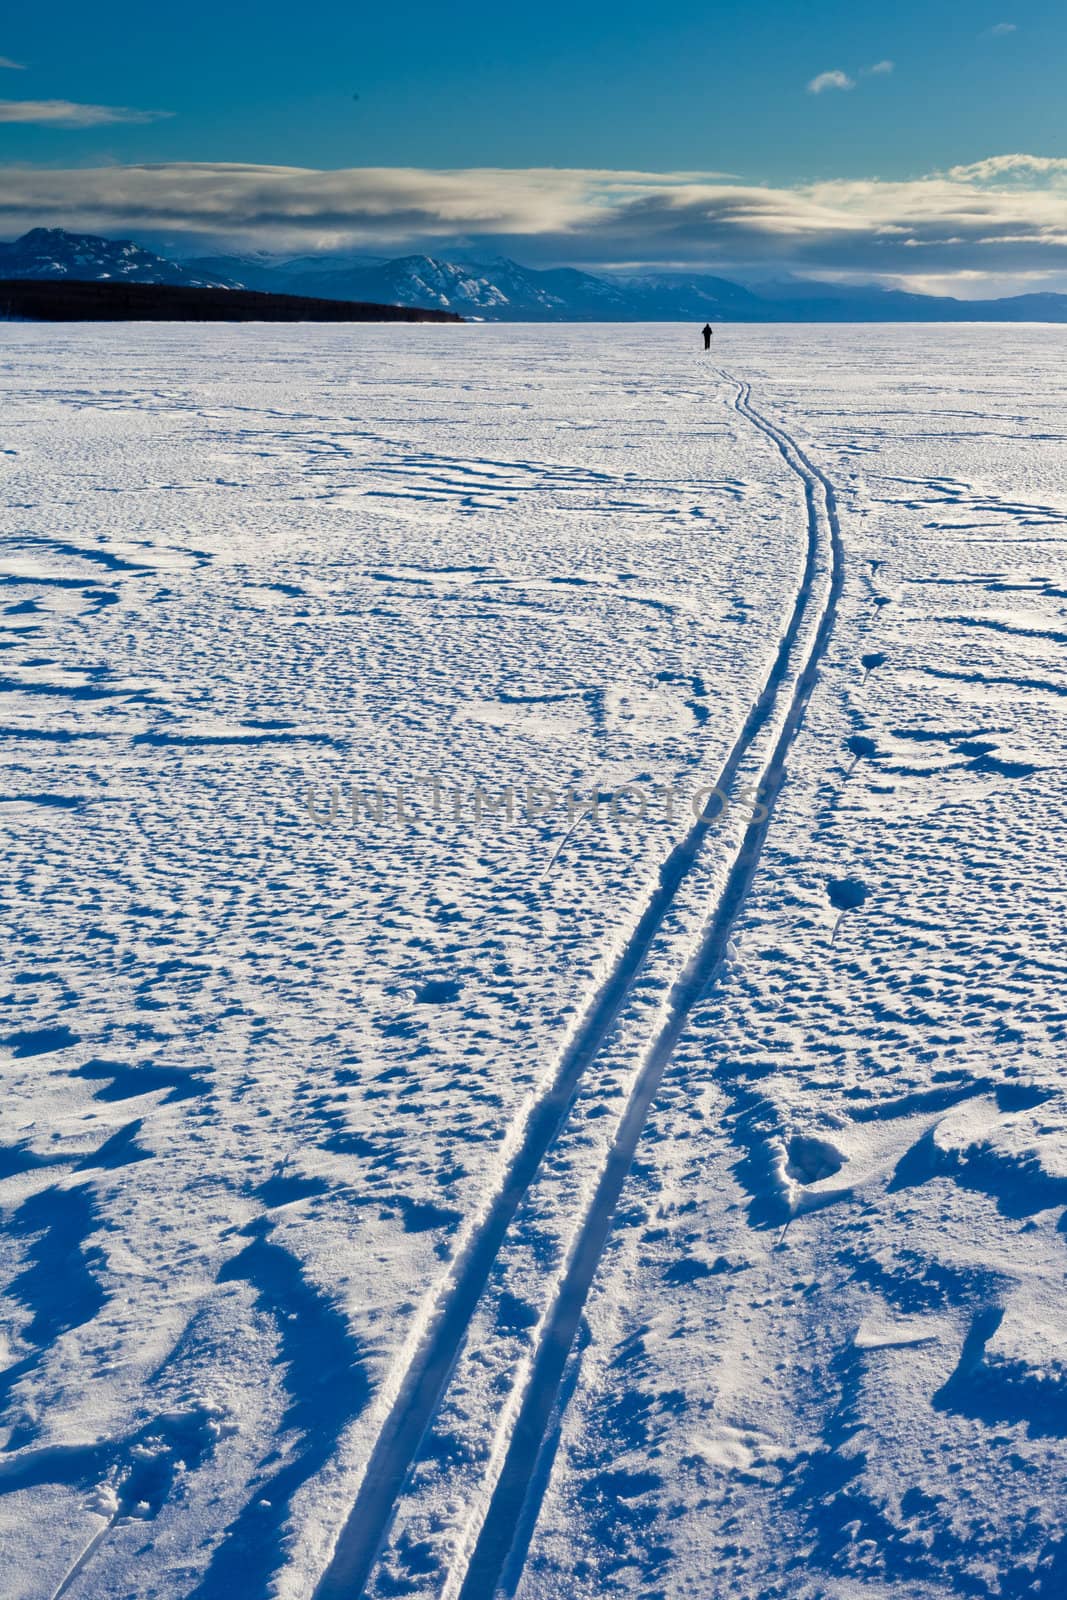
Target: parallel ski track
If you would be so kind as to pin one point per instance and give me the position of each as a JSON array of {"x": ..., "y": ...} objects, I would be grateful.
[
  {"x": 428, "y": 1373},
  {"x": 511, "y": 1517}
]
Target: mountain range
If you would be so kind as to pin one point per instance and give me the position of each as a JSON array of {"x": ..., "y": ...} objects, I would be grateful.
[{"x": 500, "y": 290}]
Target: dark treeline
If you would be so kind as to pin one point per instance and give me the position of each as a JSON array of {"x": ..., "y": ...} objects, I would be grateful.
[{"x": 43, "y": 300}]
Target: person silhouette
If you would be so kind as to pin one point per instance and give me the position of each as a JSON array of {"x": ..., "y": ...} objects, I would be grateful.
[{"x": 707, "y": 335}]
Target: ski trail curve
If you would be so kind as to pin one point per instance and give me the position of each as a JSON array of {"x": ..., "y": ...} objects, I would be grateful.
[
  {"x": 427, "y": 1375},
  {"x": 510, "y": 1510}
]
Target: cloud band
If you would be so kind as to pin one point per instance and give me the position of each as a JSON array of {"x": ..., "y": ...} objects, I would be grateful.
[
  {"x": 69, "y": 113},
  {"x": 1002, "y": 214}
]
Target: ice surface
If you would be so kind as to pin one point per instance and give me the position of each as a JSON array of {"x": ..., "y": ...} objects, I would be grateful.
[{"x": 315, "y": 1096}]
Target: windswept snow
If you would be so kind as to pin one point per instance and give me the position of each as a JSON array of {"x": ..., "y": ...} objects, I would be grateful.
[{"x": 383, "y": 1014}]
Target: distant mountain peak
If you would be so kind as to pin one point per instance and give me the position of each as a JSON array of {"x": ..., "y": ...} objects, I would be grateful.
[{"x": 89, "y": 257}]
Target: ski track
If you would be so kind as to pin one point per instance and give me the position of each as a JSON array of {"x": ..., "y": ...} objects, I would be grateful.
[{"x": 426, "y": 1380}]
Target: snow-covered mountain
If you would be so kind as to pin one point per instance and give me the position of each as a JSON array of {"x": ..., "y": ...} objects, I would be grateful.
[
  {"x": 422, "y": 280},
  {"x": 498, "y": 291},
  {"x": 255, "y": 271},
  {"x": 502, "y": 290},
  {"x": 86, "y": 257}
]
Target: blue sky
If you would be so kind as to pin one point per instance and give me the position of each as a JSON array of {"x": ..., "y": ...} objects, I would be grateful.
[{"x": 903, "y": 94}]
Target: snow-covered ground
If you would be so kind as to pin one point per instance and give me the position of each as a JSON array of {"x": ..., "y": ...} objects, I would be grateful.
[{"x": 420, "y": 1179}]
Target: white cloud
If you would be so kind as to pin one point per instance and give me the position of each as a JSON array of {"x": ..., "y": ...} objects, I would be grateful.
[
  {"x": 15, "y": 66},
  {"x": 841, "y": 80},
  {"x": 999, "y": 30},
  {"x": 1011, "y": 169},
  {"x": 831, "y": 80},
  {"x": 360, "y": 205},
  {"x": 1001, "y": 217},
  {"x": 68, "y": 114}
]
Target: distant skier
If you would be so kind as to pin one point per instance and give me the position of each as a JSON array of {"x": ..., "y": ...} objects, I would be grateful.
[{"x": 707, "y": 335}]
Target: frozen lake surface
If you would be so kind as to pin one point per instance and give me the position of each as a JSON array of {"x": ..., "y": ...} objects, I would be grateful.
[{"x": 534, "y": 1002}]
